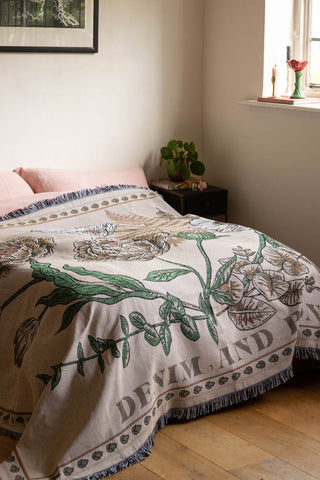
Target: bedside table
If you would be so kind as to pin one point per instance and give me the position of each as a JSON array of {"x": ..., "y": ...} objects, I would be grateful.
[{"x": 211, "y": 202}]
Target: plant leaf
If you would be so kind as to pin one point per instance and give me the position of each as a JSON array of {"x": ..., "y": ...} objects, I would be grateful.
[
  {"x": 222, "y": 297},
  {"x": 90, "y": 289},
  {"x": 125, "y": 353},
  {"x": 170, "y": 167},
  {"x": 250, "y": 313},
  {"x": 101, "y": 363},
  {"x": 189, "y": 328},
  {"x": 147, "y": 295},
  {"x": 59, "y": 296},
  {"x": 270, "y": 284},
  {"x": 173, "y": 144},
  {"x": 104, "y": 343},
  {"x": 166, "y": 338},
  {"x": 166, "y": 275},
  {"x": 55, "y": 379},
  {"x": 137, "y": 319},
  {"x": 224, "y": 272},
  {"x": 166, "y": 152},
  {"x": 124, "y": 325},
  {"x": 196, "y": 235},
  {"x": 80, "y": 359},
  {"x": 44, "y": 377},
  {"x": 70, "y": 313},
  {"x": 121, "y": 281},
  {"x": 94, "y": 344},
  {"x": 197, "y": 168},
  {"x": 176, "y": 306},
  {"x": 165, "y": 311},
  {"x": 115, "y": 350},
  {"x": 270, "y": 240},
  {"x": 293, "y": 296},
  {"x": 151, "y": 335},
  {"x": 43, "y": 271}
]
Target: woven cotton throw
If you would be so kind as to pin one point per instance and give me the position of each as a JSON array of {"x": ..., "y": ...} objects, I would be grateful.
[{"x": 118, "y": 314}]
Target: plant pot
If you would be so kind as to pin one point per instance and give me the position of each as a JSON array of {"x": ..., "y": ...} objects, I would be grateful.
[{"x": 176, "y": 177}]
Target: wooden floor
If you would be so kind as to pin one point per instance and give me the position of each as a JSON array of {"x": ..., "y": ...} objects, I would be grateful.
[{"x": 274, "y": 437}]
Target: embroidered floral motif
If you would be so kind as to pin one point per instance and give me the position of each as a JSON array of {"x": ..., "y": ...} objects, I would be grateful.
[
  {"x": 129, "y": 250},
  {"x": 18, "y": 251}
]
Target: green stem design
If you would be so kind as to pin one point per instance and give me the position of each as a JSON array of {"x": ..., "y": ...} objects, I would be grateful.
[
  {"x": 156, "y": 294},
  {"x": 122, "y": 339},
  {"x": 206, "y": 291},
  {"x": 262, "y": 244},
  {"x": 19, "y": 292},
  {"x": 187, "y": 267},
  {"x": 42, "y": 313}
]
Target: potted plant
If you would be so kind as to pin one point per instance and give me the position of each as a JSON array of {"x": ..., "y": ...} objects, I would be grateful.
[{"x": 181, "y": 159}]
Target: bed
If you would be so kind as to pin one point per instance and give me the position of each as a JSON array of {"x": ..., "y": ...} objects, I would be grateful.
[{"x": 118, "y": 315}]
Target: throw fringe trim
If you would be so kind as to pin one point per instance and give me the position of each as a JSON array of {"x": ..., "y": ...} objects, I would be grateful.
[
  {"x": 190, "y": 413},
  {"x": 307, "y": 353},
  {"x": 63, "y": 198}
]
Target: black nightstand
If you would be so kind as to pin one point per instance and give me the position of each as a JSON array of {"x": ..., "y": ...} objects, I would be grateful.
[{"x": 211, "y": 202}]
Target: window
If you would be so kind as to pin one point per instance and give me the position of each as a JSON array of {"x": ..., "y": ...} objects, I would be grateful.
[
  {"x": 313, "y": 43},
  {"x": 306, "y": 40},
  {"x": 292, "y": 28}
]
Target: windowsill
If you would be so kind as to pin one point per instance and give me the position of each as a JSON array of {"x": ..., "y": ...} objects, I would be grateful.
[{"x": 304, "y": 108}]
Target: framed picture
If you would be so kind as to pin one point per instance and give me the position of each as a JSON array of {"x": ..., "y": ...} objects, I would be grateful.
[{"x": 49, "y": 26}]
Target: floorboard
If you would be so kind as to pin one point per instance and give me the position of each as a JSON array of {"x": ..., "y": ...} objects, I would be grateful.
[
  {"x": 225, "y": 448},
  {"x": 172, "y": 460},
  {"x": 273, "y": 437},
  {"x": 271, "y": 469}
]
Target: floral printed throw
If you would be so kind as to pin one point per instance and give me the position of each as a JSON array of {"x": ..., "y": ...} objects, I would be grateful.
[{"x": 117, "y": 314}]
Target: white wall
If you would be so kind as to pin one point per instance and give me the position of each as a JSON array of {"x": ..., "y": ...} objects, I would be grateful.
[
  {"x": 165, "y": 69},
  {"x": 267, "y": 158},
  {"x": 112, "y": 109}
]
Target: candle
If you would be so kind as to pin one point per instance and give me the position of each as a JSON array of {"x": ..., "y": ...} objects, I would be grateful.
[
  {"x": 273, "y": 80},
  {"x": 274, "y": 73}
]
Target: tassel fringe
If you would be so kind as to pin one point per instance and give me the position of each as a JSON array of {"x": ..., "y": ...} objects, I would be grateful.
[
  {"x": 63, "y": 198},
  {"x": 184, "y": 414},
  {"x": 307, "y": 353}
]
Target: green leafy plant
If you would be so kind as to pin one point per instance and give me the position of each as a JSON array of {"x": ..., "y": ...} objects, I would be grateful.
[{"x": 181, "y": 159}]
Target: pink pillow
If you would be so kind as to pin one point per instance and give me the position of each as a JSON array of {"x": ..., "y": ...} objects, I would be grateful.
[
  {"x": 12, "y": 186},
  {"x": 24, "y": 201},
  {"x": 50, "y": 179}
]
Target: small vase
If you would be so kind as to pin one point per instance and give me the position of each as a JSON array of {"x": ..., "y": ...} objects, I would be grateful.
[
  {"x": 297, "y": 66},
  {"x": 298, "y": 92}
]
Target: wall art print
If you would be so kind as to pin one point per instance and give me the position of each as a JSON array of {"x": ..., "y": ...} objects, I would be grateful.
[{"x": 49, "y": 26}]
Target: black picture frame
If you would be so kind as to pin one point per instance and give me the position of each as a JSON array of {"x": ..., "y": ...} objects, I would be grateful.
[{"x": 87, "y": 37}]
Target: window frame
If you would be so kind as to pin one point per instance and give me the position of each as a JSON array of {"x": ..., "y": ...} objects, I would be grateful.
[{"x": 301, "y": 41}]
